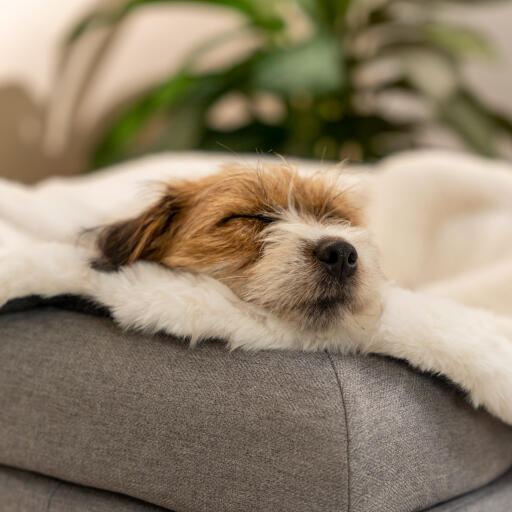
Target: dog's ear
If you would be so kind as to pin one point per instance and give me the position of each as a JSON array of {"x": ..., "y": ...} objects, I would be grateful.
[{"x": 140, "y": 238}]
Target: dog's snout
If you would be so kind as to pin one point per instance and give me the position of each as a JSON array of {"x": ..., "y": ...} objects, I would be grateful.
[{"x": 337, "y": 256}]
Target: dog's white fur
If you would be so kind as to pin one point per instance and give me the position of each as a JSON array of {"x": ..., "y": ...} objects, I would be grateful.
[{"x": 443, "y": 223}]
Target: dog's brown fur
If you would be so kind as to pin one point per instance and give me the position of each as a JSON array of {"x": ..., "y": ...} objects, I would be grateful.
[
  {"x": 224, "y": 224},
  {"x": 218, "y": 219}
]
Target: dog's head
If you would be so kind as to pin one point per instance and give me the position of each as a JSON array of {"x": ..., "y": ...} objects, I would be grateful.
[{"x": 295, "y": 245}]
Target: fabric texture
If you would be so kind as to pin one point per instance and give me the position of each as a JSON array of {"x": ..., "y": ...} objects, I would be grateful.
[
  {"x": 22, "y": 491},
  {"x": 189, "y": 430},
  {"x": 495, "y": 497},
  {"x": 208, "y": 429},
  {"x": 413, "y": 439}
]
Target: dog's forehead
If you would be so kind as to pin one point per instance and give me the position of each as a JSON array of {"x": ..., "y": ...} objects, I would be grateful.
[{"x": 246, "y": 190}]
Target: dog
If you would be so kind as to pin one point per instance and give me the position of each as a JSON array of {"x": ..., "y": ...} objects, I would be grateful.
[
  {"x": 269, "y": 257},
  {"x": 295, "y": 246}
]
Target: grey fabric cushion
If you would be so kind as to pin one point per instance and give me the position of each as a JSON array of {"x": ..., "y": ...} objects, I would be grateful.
[
  {"x": 206, "y": 429},
  {"x": 495, "y": 497},
  {"x": 413, "y": 439},
  {"x": 21, "y": 491}
]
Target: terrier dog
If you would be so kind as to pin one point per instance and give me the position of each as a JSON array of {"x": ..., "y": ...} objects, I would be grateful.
[
  {"x": 414, "y": 261},
  {"x": 295, "y": 246}
]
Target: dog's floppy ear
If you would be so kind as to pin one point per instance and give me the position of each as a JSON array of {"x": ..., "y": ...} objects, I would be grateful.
[{"x": 140, "y": 238}]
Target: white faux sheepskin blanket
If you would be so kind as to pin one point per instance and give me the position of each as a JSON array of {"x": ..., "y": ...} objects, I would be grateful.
[{"x": 42, "y": 253}]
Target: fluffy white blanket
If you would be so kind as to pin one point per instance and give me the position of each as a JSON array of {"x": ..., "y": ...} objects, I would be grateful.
[{"x": 42, "y": 252}]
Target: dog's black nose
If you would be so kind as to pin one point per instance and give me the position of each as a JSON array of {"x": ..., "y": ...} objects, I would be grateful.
[{"x": 337, "y": 256}]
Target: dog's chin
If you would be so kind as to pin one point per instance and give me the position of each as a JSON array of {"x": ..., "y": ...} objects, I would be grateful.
[
  {"x": 332, "y": 302},
  {"x": 318, "y": 315},
  {"x": 321, "y": 315},
  {"x": 319, "y": 305}
]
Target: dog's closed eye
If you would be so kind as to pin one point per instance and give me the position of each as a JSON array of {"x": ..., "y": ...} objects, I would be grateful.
[{"x": 265, "y": 219}]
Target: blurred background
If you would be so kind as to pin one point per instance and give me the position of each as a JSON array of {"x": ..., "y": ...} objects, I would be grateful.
[{"x": 88, "y": 83}]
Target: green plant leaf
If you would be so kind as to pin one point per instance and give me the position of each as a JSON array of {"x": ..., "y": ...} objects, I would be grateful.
[
  {"x": 475, "y": 127},
  {"x": 431, "y": 72},
  {"x": 314, "y": 66},
  {"x": 326, "y": 12},
  {"x": 501, "y": 120},
  {"x": 457, "y": 39},
  {"x": 315, "y": 80},
  {"x": 179, "y": 89},
  {"x": 260, "y": 13}
]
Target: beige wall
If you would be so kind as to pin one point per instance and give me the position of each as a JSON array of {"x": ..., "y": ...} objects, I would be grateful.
[
  {"x": 150, "y": 44},
  {"x": 29, "y": 34},
  {"x": 148, "y": 47}
]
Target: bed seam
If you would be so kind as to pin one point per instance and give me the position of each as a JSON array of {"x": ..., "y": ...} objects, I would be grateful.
[
  {"x": 345, "y": 417},
  {"x": 50, "y": 496}
]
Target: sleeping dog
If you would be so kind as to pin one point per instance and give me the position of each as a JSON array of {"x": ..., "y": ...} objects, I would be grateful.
[
  {"x": 268, "y": 257},
  {"x": 295, "y": 246}
]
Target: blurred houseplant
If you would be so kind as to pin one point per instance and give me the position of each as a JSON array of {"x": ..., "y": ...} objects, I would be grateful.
[{"x": 319, "y": 81}]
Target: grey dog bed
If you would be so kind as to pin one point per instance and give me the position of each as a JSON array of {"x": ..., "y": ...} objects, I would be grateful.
[{"x": 142, "y": 420}]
